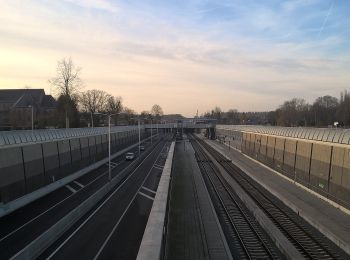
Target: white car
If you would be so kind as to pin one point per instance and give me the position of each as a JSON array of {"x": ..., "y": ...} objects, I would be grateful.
[
  {"x": 129, "y": 156},
  {"x": 142, "y": 148}
]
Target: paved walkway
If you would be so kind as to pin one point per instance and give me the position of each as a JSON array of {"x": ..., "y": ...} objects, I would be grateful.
[
  {"x": 193, "y": 231},
  {"x": 331, "y": 221}
]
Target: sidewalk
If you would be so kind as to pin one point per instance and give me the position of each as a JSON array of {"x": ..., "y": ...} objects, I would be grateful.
[
  {"x": 331, "y": 221},
  {"x": 193, "y": 231}
]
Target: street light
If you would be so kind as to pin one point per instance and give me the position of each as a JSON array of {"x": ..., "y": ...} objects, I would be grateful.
[
  {"x": 151, "y": 130},
  {"x": 109, "y": 140},
  {"x": 32, "y": 107},
  {"x": 139, "y": 128}
]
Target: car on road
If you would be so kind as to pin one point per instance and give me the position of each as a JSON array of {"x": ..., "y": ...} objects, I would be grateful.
[
  {"x": 130, "y": 156},
  {"x": 142, "y": 148}
]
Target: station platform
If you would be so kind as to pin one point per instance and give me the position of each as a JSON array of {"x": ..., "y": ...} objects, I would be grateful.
[
  {"x": 193, "y": 230},
  {"x": 333, "y": 222}
]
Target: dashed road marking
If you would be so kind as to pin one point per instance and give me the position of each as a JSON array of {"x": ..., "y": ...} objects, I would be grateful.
[
  {"x": 147, "y": 189},
  {"x": 70, "y": 188},
  {"x": 79, "y": 184},
  {"x": 145, "y": 195},
  {"x": 159, "y": 166}
]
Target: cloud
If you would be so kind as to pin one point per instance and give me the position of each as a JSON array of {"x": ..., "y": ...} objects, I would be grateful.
[
  {"x": 251, "y": 57},
  {"x": 95, "y": 4}
]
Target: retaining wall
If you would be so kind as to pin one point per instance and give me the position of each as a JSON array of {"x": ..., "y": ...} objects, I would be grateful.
[
  {"x": 24, "y": 169},
  {"x": 321, "y": 166}
]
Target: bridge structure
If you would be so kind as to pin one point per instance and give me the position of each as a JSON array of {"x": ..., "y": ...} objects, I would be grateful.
[{"x": 55, "y": 190}]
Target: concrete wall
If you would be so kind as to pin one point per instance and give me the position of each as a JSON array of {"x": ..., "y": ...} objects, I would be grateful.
[
  {"x": 270, "y": 150},
  {"x": 32, "y": 166},
  {"x": 290, "y": 147},
  {"x": 279, "y": 153},
  {"x": 321, "y": 166},
  {"x": 302, "y": 163},
  {"x": 51, "y": 161},
  {"x": 12, "y": 179},
  {"x": 262, "y": 150},
  {"x": 65, "y": 158}
]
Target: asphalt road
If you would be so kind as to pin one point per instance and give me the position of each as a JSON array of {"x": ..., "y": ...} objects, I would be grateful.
[
  {"x": 21, "y": 227},
  {"x": 114, "y": 229}
]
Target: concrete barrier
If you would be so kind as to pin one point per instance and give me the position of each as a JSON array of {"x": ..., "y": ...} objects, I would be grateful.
[
  {"x": 75, "y": 152},
  {"x": 263, "y": 148},
  {"x": 25, "y": 199},
  {"x": 92, "y": 148},
  {"x": 279, "y": 153},
  {"x": 320, "y": 167},
  {"x": 85, "y": 153},
  {"x": 152, "y": 240},
  {"x": 33, "y": 167},
  {"x": 65, "y": 158},
  {"x": 51, "y": 161},
  {"x": 302, "y": 163},
  {"x": 12, "y": 179},
  {"x": 270, "y": 150},
  {"x": 37, "y": 246},
  {"x": 290, "y": 148}
]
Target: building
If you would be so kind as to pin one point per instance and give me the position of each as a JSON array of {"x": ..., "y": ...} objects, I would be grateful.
[{"x": 18, "y": 105}]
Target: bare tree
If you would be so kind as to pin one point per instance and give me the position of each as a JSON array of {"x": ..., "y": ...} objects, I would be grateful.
[
  {"x": 67, "y": 80},
  {"x": 343, "y": 111},
  {"x": 93, "y": 101},
  {"x": 293, "y": 112},
  {"x": 113, "y": 105},
  {"x": 157, "y": 111},
  {"x": 129, "y": 114},
  {"x": 324, "y": 108},
  {"x": 67, "y": 83}
]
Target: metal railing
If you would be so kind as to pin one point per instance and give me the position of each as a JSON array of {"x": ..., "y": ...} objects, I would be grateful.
[
  {"x": 42, "y": 135},
  {"x": 332, "y": 135}
]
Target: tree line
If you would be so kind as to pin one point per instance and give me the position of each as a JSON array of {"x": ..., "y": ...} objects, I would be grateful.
[
  {"x": 325, "y": 111},
  {"x": 77, "y": 108}
]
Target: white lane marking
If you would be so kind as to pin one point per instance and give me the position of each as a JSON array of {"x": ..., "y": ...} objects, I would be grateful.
[
  {"x": 93, "y": 213},
  {"x": 159, "y": 166},
  {"x": 79, "y": 184},
  {"x": 155, "y": 167},
  {"x": 70, "y": 188},
  {"x": 113, "y": 165},
  {"x": 52, "y": 207},
  {"x": 145, "y": 188},
  {"x": 145, "y": 195},
  {"x": 120, "y": 219}
]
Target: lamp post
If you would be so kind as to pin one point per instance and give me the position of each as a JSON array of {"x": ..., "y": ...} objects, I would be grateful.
[
  {"x": 109, "y": 141},
  {"x": 151, "y": 131},
  {"x": 92, "y": 120},
  {"x": 139, "y": 128},
  {"x": 32, "y": 107}
]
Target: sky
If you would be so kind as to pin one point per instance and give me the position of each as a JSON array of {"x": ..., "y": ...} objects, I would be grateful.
[{"x": 183, "y": 55}]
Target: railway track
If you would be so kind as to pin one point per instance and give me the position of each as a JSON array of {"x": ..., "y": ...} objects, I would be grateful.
[
  {"x": 247, "y": 240},
  {"x": 307, "y": 240}
]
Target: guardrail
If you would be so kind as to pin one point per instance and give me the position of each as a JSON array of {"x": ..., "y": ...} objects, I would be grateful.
[{"x": 152, "y": 240}]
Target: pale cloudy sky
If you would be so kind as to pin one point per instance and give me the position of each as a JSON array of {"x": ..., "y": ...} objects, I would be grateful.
[{"x": 183, "y": 55}]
